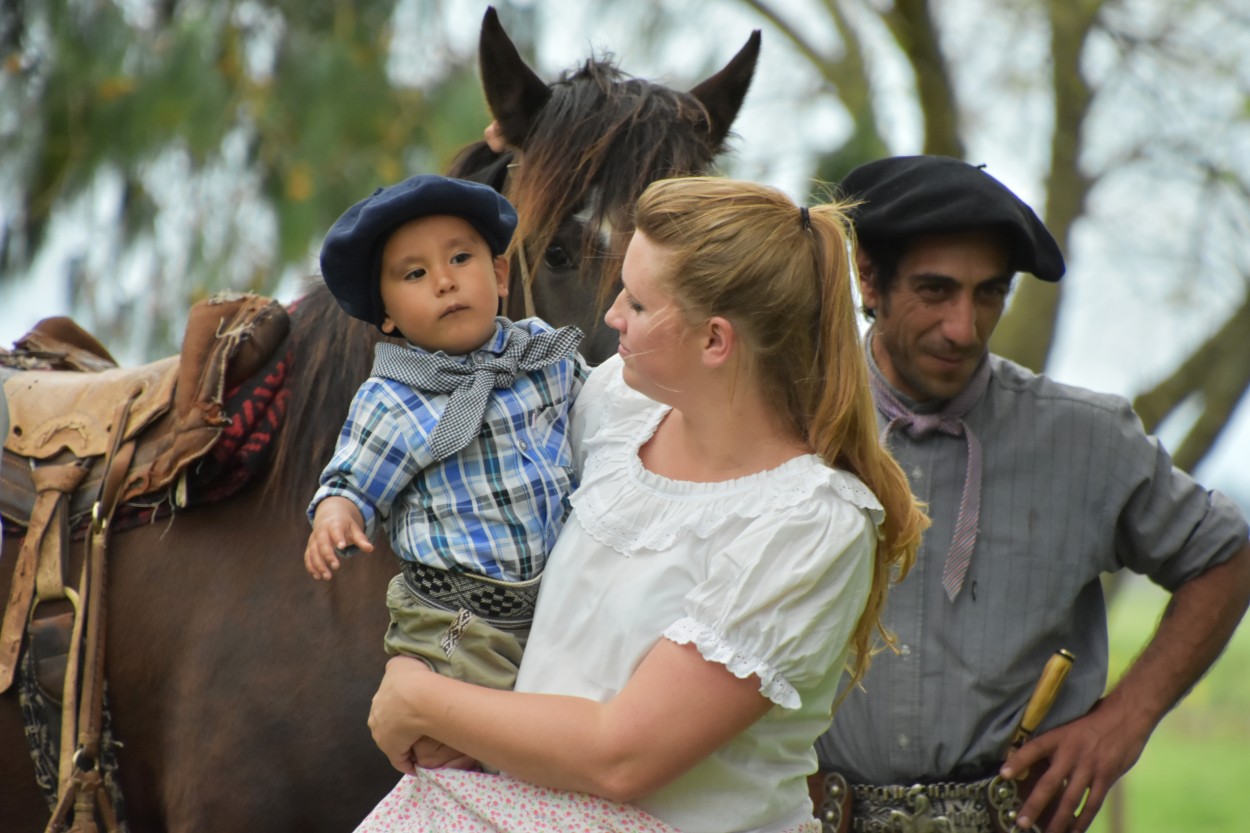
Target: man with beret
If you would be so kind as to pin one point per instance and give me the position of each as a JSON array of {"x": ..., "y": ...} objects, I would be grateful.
[
  {"x": 1035, "y": 489},
  {"x": 457, "y": 442}
]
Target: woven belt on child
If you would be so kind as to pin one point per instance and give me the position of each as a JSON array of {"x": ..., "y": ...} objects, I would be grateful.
[
  {"x": 989, "y": 805},
  {"x": 500, "y": 603}
]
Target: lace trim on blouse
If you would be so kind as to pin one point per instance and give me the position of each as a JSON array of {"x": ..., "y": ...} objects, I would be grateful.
[
  {"x": 714, "y": 648},
  {"x": 624, "y": 506}
]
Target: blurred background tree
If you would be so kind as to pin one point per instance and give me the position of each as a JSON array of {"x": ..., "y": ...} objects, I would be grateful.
[
  {"x": 185, "y": 146},
  {"x": 220, "y": 138}
]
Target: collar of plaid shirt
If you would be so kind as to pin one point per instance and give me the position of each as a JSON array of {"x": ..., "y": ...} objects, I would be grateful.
[{"x": 512, "y": 351}]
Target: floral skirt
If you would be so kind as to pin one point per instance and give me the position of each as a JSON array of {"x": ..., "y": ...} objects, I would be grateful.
[{"x": 455, "y": 801}]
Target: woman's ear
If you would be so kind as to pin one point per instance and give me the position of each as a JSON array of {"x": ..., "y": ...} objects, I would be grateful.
[{"x": 720, "y": 339}]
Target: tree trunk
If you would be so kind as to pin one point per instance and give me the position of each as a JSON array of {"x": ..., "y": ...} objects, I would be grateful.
[
  {"x": 912, "y": 25},
  {"x": 1026, "y": 332}
]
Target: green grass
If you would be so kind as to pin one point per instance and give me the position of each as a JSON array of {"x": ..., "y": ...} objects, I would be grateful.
[{"x": 1195, "y": 771}]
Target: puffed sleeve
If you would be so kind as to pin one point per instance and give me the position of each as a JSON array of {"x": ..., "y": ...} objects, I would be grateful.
[{"x": 782, "y": 601}]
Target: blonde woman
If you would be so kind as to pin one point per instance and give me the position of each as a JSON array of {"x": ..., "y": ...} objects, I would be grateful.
[{"x": 725, "y": 562}]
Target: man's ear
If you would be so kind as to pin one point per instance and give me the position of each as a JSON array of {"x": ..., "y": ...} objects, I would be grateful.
[
  {"x": 388, "y": 326},
  {"x": 720, "y": 339},
  {"x": 867, "y": 280},
  {"x": 502, "y": 268}
]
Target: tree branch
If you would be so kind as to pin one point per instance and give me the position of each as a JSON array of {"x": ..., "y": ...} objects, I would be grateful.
[
  {"x": 911, "y": 24},
  {"x": 1219, "y": 372}
]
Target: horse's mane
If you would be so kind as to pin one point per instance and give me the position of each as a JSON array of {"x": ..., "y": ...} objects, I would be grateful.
[
  {"x": 600, "y": 139},
  {"x": 331, "y": 354}
]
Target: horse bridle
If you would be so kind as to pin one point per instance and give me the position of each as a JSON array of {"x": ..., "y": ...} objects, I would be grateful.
[{"x": 496, "y": 176}]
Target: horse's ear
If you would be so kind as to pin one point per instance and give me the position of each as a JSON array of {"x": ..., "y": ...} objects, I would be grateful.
[
  {"x": 722, "y": 94},
  {"x": 514, "y": 92}
]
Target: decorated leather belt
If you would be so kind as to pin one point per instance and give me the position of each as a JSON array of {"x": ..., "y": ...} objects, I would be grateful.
[
  {"x": 986, "y": 806},
  {"x": 503, "y": 604}
]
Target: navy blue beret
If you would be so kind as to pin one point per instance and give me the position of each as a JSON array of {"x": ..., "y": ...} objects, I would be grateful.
[
  {"x": 904, "y": 197},
  {"x": 351, "y": 256}
]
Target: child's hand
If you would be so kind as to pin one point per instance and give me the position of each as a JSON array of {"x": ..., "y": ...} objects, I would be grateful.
[{"x": 337, "y": 524}]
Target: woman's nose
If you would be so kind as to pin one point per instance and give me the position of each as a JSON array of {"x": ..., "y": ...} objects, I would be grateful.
[{"x": 613, "y": 317}]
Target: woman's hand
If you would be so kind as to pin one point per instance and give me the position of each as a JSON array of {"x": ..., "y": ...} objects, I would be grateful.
[
  {"x": 430, "y": 754},
  {"x": 394, "y": 712}
]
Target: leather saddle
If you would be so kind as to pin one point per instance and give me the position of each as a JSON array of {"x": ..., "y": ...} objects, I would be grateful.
[
  {"x": 60, "y": 417},
  {"x": 86, "y": 436}
]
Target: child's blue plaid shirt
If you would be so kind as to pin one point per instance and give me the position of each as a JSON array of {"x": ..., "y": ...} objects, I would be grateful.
[{"x": 496, "y": 507}]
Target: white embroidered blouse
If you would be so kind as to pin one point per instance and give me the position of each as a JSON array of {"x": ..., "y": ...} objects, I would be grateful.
[{"x": 766, "y": 574}]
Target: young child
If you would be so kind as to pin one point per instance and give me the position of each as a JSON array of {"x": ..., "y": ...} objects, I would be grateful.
[{"x": 457, "y": 441}]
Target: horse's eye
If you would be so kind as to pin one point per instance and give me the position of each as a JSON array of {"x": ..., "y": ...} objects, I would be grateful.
[{"x": 557, "y": 257}]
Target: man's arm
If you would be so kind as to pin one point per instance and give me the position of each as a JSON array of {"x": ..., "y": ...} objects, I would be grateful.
[{"x": 1094, "y": 751}]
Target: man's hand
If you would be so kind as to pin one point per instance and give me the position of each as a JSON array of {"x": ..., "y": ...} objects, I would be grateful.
[
  {"x": 337, "y": 524},
  {"x": 1087, "y": 755},
  {"x": 1090, "y": 754}
]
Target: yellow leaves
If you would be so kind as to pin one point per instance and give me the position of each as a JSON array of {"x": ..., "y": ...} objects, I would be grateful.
[
  {"x": 389, "y": 169},
  {"x": 230, "y": 64},
  {"x": 298, "y": 184},
  {"x": 111, "y": 89}
]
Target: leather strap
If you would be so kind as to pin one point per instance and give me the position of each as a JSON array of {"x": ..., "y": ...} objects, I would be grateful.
[
  {"x": 832, "y": 800},
  {"x": 53, "y": 484},
  {"x": 82, "y": 786}
]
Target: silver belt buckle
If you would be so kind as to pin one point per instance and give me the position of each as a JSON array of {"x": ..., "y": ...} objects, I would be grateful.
[
  {"x": 923, "y": 808},
  {"x": 1005, "y": 801},
  {"x": 921, "y": 819}
]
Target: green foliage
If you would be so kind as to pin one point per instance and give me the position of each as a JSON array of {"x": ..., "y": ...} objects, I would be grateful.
[
  {"x": 1195, "y": 765},
  {"x": 110, "y": 87},
  {"x": 102, "y": 94}
]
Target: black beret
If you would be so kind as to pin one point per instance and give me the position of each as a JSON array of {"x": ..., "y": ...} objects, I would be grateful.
[
  {"x": 351, "y": 256},
  {"x": 904, "y": 197}
]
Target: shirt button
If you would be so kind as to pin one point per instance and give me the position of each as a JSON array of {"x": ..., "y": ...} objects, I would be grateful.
[
  {"x": 904, "y": 650},
  {"x": 903, "y": 741},
  {"x": 917, "y": 473},
  {"x": 524, "y": 446}
]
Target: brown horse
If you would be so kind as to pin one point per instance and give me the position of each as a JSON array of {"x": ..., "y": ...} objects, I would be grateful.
[{"x": 237, "y": 686}]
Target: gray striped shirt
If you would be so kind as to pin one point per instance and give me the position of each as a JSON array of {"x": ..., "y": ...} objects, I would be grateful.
[{"x": 1072, "y": 487}]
